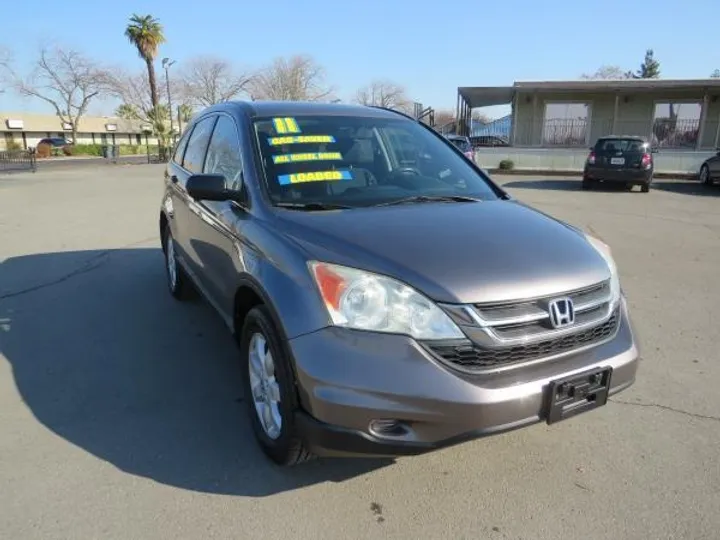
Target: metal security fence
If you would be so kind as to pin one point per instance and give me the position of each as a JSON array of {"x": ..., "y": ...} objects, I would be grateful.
[
  {"x": 675, "y": 132},
  {"x": 18, "y": 160}
]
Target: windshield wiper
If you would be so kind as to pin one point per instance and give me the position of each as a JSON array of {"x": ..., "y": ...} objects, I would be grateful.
[
  {"x": 311, "y": 206},
  {"x": 430, "y": 198}
]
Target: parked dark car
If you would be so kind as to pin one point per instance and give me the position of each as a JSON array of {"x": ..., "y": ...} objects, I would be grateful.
[
  {"x": 463, "y": 144},
  {"x": 489, "y": 140},
  {"x": 625, "y": 160},
  {"x": 55, "y": 142},
  {"x": 386, "y": 296},
  {"x": 710, "y": 169}
]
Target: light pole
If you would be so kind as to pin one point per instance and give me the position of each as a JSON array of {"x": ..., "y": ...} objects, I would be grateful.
[{"x": 166, "y": 63}]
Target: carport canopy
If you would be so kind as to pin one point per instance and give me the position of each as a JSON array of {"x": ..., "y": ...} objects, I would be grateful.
[{"x": 486, "y": 96}]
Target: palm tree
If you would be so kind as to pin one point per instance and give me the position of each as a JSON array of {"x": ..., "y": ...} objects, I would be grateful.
[
  {"x": 146, "y": 33},
  {"x": 186, "y": 112},
  {"x": 129, "y": 112}
]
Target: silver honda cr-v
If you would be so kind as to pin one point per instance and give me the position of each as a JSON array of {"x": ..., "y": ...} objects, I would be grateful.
[{"x": 387, "y": 297}]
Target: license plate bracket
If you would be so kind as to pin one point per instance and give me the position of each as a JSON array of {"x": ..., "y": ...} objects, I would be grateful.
[
  {"x": 577, "y": 393},
  {"x": 617, "y": 161}
]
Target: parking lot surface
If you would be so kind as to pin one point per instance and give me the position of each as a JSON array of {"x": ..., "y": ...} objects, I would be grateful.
[{"x": 120, "y": 413}]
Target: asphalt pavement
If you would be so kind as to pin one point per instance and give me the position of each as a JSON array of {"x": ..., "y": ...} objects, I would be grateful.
[{"x": 120, "y": 413}]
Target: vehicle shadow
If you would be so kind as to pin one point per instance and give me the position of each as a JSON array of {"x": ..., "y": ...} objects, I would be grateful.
[
  {"x": 570, "y": 184},
  {"x": 687, "y": 187},
  {"x": 106, "y": 359},
  {"x": 557, "y": 184}
]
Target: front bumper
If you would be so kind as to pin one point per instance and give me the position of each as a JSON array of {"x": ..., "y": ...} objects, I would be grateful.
[{"x": 347, "y": 379}]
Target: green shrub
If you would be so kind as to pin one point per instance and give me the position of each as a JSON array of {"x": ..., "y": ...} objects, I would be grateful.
[
  {"x": 87, "y": 150},
  {"x": 506, "y": 165},
  {"x": 13, "y": 146},
  {"x": 129, "y": 149}
]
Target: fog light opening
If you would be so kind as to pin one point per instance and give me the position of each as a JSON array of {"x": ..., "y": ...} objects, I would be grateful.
[{"x": 388, "y": 428}]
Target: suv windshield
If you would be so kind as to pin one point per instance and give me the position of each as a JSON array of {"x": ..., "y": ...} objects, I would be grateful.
[{"x": 352, "y": 161}]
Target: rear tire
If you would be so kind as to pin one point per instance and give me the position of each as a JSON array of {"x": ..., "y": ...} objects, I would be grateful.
[
  {"x": 587, "y": 184},
  {"x": 705, "y": 177},
  {"x": 271, "y": 407},
  {"x": 646, "y": 187}
]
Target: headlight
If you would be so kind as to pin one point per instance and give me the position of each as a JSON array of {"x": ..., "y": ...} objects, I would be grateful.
[
  {"x": 604, "y": 250},
  {"x": 366, "y": 301}
]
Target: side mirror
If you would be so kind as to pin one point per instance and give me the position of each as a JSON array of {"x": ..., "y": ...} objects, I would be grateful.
[{"x": 209, "y": 187}]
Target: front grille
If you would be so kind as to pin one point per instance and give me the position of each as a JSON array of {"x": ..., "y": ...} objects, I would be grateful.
[
  {"x": 475, "y": 358},
  {"x": 530, "y": 318}
]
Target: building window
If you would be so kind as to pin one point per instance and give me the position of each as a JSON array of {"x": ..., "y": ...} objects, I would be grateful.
[
  {"x": 676, "y": 125},
  {"x": 566, "y": 124}
]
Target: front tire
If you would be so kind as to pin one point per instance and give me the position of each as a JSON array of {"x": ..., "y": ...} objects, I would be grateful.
[
  {"x": 269, "y": 390},
  {"x": 177, "y": 282},
  {"x": 705, "y": 177}
]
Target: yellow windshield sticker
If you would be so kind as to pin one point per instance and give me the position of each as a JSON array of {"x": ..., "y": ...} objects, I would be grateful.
[
  {"x": 318, "y": 176},
  {"x": 301, "y": 139},
  {"x": 286, "y": 125},
  {"x": 307, "y": 156}
]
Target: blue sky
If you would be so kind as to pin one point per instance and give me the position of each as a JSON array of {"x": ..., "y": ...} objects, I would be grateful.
[{"x": 431, "y": 47}]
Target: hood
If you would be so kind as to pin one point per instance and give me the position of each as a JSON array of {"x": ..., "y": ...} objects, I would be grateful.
[{"x": 454, "y": 252}]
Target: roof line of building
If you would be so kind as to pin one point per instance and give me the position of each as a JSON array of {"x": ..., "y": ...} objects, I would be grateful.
[{"x": 481, "y": 96}]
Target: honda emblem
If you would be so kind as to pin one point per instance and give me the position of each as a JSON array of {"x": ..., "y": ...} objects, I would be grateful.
[{"x": 562, "y": 312}]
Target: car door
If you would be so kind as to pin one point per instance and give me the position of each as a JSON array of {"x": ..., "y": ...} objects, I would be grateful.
[
  {"x": 185, "y": 209},
  {"x": 714, "y": 165},
  {"x": 175, "y": 200},
  {"x": 217, "y": 221}
]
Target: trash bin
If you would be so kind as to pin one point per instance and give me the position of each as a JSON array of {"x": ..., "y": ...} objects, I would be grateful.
[{"x": 105, "y": 151}]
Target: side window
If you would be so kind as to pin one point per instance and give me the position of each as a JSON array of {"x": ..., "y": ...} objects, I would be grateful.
[
  {"x": 197, "y": 145},
  {"x": 180, "y": 148},
  {"x": 223, "y": 156}
]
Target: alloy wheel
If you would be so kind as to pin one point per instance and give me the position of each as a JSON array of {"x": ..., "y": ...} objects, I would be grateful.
[{"x": 264, "y": 386}]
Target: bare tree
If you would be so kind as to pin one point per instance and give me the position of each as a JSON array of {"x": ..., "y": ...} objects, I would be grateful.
[
  {"x": 480, "y": 117},
  {"x": 298, "y": 78},
  {"x": 443, "y": 117},
  {"x": 5, "y": 67},
  {"x": 207, "y": 80},
  {"x": 66, "y": 79},
  {"x": 383, "y": 93},
  {"x": 608, "y": 73},
  {"x": 133, "y": 91}
]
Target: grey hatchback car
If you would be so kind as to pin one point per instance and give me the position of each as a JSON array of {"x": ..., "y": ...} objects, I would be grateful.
[{"x": 387, "y": 297}]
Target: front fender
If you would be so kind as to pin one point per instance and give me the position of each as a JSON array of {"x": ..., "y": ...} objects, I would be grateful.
[{"x": 278, "y": 273}]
